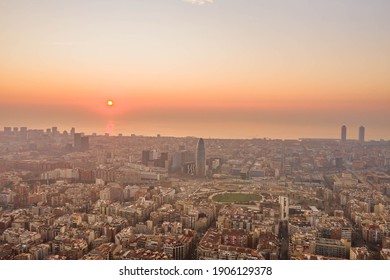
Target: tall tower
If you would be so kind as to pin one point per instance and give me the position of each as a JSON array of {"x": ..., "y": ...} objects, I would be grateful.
[
  {"x": 77, "y": 141},
  {"x": 200, "y": 159},
  {"x": 284, "y": 207},
  {"x": 80, "y": 143},
  {"x": 361, "y": 134},
  {"x": 283, "y": 228},
  {"x": 343, "y": 133}
]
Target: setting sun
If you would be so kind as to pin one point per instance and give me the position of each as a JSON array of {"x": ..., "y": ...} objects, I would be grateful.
[{"x": 110, "y": 103}]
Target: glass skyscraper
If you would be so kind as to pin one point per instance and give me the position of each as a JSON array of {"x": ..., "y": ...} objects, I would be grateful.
[{"x": 200, "y": 159}]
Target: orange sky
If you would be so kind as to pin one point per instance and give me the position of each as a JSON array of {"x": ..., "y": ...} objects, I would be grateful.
[{"x": 227, "y": 69}]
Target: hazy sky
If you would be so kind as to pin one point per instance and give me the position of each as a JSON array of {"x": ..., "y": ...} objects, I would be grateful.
[{"x": 222, "y": 68}]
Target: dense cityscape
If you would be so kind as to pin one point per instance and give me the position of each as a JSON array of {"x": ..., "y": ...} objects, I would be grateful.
[{"x": 65, "y": 195}]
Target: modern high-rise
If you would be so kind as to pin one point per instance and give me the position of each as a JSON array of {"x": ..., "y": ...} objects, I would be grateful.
[
  {"x": 283, "y": 228},
  {"x": 361, "y": 134},
  {"x": 283, "y": 201},
  {"x": 80, "y": 142},
  {"x": 200, "y": 159},
  {"x": 343, "y": 133},
  {"x": 77, "y": 141}
]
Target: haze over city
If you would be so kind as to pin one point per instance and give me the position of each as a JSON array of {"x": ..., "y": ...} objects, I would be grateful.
[{"x": 223, "y": 68}]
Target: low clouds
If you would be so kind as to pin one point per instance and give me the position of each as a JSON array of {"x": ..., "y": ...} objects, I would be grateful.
[{"x": 199, "y": 2}]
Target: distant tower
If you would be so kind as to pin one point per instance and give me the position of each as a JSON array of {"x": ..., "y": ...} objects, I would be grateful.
[
  {"x": 343, "y": 133},
  {"x": 283, "y": 234},
  {"x": 80, "y": 143},
  {"x": 54, "y": 130},
  {"x": 77, "y": 141},
  {"x": 200, "y": 159},
  {"x": 284, "y": 207},
  {"x": 361, "y": 134}
]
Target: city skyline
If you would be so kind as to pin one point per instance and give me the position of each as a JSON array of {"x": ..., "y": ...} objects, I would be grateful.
[
  {"x": 194, "y": 130},
  {"x": 221, "y": 69},
  {"x": 54, "y": 130},
  {"x": 66, "y": 196}
]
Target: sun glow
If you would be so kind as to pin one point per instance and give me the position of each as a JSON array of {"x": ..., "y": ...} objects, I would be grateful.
[{"x": 110, "y": 103}]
